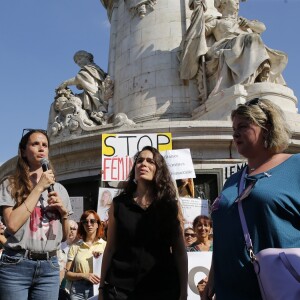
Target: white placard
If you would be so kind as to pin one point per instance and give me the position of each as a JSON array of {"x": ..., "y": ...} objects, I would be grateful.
[
  {"x": 97, "y": 263},
  {"x": 193, "y": 207},
  {"x": 180, "y": 163},
  {"x": 198, "y": 265},
  {"x": 105, "y": 197},
  {"x": 77, "y": 207}
]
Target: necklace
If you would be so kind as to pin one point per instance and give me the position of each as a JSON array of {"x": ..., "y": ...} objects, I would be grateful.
[{"x": 254, "y": 168}]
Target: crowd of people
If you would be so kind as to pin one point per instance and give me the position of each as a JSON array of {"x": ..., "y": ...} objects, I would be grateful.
[{"x": 145, "y": 251}]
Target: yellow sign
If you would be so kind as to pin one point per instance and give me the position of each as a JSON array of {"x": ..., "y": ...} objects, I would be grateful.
[{"x": 119, "y": 149}]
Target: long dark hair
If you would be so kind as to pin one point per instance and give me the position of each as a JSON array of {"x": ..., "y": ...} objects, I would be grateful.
[
  {"x": 19, "y": 182},
  {"x": 165, "y": 200}
]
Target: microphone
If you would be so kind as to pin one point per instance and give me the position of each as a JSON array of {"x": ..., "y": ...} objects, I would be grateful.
[{"x": 45, "y": 166}]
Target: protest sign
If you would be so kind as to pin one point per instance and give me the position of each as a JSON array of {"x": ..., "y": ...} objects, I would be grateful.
[
  {"x": 105, "y": 197},
  {"x": 119, "y": 149},
  {"x": 180, "y": 163},
  {"x": 97, "y": 263},
  {"x": 77, "y": 207},
  {"x": 198, "y": 265},
  {"x": 193, "y": 207}
]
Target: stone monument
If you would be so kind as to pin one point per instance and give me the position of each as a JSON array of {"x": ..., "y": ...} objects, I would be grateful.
[{"x": 174, "y": 66}]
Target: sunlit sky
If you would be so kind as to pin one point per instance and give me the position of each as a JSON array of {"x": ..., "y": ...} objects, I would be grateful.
[{"x": 39, "y": 39}]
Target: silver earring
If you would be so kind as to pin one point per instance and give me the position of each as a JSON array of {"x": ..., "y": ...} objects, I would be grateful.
[
  {"x": 134, "y": 181},
  {"x": 266, "y": 144}
]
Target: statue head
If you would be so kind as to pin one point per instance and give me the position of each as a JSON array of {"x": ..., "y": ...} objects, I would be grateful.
[
  {"x": 83, "y": 54},
  {"x": 220, "y": 5}
]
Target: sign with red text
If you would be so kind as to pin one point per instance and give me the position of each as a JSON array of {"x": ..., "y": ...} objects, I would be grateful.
[{"x": 118, "y": 151}]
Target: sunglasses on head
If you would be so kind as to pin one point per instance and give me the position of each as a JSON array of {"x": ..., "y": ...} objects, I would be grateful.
[
  {"x": 92, "y": 221},
  {"x": 27, "y": 130},
  {"x": 254, "y": 101},
  {"x": 190, "y": 234}
]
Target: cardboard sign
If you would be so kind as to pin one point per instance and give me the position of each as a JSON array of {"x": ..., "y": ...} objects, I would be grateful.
[
  {"x": 105, "y": 198},
  {"x": 193, "y": 207},
  {"x": 180, "y": 163},
  {"x": 77, "y": 207},
  {"x": 198, "y": 265},
  {"x": 119, "y": 149}
]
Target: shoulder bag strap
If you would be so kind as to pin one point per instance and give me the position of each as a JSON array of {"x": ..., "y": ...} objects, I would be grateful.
[{"x": 243, "y": 193}]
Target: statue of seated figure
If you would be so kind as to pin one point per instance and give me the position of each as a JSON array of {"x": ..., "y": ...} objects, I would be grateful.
[
  {"x": 238, "y": 54},
  {"x": 227, "y": 50}
]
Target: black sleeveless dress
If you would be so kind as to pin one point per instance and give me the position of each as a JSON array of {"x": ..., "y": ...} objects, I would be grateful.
[{"x": 143, "y": 266}]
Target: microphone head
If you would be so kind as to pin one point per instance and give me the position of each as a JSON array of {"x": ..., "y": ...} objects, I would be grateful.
[
  {"x": 45, "y": 164},
  {"x": 44, "y": 161}
]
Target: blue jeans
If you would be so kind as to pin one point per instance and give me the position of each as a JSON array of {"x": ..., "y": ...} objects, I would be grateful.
[
  {"x": 81, "y": 290},
  {"x": 23, "y": 279}
]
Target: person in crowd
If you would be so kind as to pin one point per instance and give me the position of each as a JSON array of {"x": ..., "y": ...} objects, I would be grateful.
[
  {"x": 271, "y": 205},
  {"x": 189, "y": 236},
  {"x": 145, "y": 256},
  {"x": 186, "y": 187},
  {"x": 65, "y": 246},
  {"x": 36, "y": 222},
  {"x": 80, "y": 257},
  {"x": 202, "y": 226}
]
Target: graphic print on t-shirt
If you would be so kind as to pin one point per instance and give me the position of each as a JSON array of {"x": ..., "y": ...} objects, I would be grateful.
[{"x": 44, "y": 223}]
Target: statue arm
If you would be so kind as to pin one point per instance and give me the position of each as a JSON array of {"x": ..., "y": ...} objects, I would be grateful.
[
  {"x": 68, "y": 82},
  {"x": 254, "y": 25}
]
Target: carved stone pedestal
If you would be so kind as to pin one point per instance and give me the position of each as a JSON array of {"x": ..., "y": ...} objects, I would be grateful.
[{"x": 219, "y": 107}]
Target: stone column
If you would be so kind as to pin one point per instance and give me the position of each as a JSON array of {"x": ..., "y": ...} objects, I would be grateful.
[{"x": 143, "y": 62}]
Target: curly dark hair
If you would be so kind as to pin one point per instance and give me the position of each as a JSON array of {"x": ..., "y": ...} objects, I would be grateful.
[{"x": 165, "y": 197}]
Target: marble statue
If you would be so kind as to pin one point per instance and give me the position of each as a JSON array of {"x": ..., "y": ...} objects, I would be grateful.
[
  {"x": 96, "y": 85},
  {"x": 140, "y": 7},
  {"x": 193, "y": 44},
  {"x": 67, "y": 112},
  {"x": 235, "y": 53}
]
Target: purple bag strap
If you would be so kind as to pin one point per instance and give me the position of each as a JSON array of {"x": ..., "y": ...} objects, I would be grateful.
[
  {"x": 289, "y": 266},
  {"x": 242, "y": 191}
]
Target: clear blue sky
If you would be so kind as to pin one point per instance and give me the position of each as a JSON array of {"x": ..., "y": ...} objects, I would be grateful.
[{"x": 39, "y": 38}]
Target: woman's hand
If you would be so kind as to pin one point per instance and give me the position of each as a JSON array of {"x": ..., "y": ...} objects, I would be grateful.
[
  {"x": 93, "y": 278},
  {"x": 47, "y": 179},
  {"x": 55, "y": 201}
]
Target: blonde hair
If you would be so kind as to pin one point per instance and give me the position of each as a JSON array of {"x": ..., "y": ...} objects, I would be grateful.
[{"x": 269, "y": 117}]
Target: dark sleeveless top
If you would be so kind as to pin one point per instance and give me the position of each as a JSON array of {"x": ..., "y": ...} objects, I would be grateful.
[{"x": 142, "y": 262}]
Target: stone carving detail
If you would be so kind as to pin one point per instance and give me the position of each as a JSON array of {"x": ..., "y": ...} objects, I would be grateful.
[
  {"x": 96, "y": 86},
  {"x": 86, "y": 109},
  {"x": 221, "y": 51},
  {"x": 140, "y": 7},
  {"x": 67, "y": 113}
]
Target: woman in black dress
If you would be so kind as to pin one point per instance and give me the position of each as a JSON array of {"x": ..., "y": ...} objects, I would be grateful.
[{"x": 145, "y": 256}]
